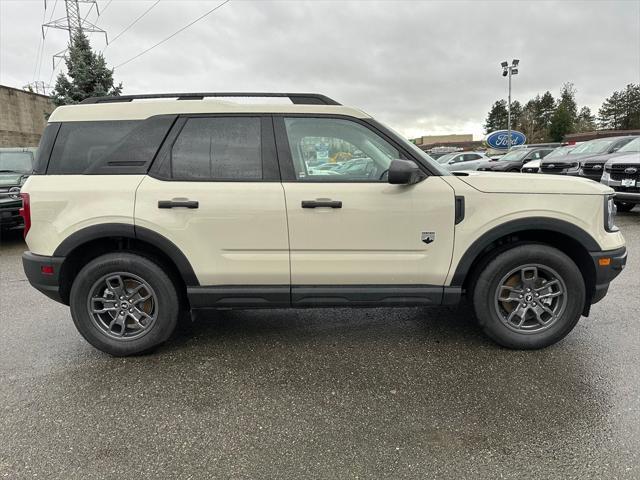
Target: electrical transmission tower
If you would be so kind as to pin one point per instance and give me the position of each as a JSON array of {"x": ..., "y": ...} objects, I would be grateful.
[{"x": 74, "y": 23}]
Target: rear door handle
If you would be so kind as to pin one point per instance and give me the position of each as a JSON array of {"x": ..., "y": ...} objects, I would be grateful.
[
  {"x": 178, "y": 204},
  {"x": 321, "y": 204}
]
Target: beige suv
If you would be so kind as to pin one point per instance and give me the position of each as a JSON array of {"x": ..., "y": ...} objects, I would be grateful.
[{"x": 141, "y": 207}]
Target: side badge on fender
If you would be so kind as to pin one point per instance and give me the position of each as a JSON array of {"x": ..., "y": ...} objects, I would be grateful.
[{"x": 428, "y": 237}]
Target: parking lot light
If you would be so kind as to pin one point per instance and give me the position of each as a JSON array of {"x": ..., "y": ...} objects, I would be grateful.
[{"x": 509, "y": 70}]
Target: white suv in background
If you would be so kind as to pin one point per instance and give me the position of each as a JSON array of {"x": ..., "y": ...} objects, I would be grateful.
[{"x": 138, "y": 210}]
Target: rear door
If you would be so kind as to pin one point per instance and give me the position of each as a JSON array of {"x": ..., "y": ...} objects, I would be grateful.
[
  {"x": 349, "y": 227},
  {"x": 215, "y": 192}
]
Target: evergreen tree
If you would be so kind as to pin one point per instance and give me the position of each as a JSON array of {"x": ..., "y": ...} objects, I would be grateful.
[
  {"x": 564, "y": 118},
  {"x": 88, "y": 72},
  {"x": 497, "y": 117},
  {"x": 546, "y": 107},
  {"x": 585, "y": 121},
  {"x": 631, "y": 107}
]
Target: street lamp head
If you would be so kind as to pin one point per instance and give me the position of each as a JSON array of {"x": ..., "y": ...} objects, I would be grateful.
[
  {"x": 504, "y": 72},
  {"x": 515, "y": 62},
  {"x": 514, "y": 71},
  {"x": 504, "y": 64}
]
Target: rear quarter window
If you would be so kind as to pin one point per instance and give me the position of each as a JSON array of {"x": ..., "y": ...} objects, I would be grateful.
[{"x": 107, "y": 147}]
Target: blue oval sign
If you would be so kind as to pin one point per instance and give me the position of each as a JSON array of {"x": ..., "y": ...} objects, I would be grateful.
[{"x": 500, "y": 139}]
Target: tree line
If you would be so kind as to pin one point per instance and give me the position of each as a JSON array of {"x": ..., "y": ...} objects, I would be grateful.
[{"x": 545, "y": 118}]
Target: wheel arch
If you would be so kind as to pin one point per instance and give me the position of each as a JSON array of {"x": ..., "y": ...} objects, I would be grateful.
[
  {"x": 91, "y": 242},
  {"x": 566, "y": 237}
]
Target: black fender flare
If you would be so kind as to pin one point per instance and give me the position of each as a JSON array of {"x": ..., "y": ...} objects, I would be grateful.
[
  {"x": 540, "y": 224},
  {"x": 135, "y": 232}
]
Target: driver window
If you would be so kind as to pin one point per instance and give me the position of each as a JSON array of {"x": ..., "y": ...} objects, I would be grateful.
[{"x": 337, "y": 150}]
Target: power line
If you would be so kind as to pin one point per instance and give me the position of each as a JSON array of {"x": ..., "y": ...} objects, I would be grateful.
[
  {"x": 131, "y": 24},
  {"x": 173, "y": 34},
  {"x": 107, "y": 6}
]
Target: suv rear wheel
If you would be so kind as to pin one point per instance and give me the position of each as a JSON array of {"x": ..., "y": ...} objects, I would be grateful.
[
  {"x": 529, "y": 297},
  {"x": 124, "y": 304}
]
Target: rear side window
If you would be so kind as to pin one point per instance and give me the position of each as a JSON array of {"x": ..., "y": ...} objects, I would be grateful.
[
  {"x": 107, "y": 147},
  {"x": 218, "y": 148}
]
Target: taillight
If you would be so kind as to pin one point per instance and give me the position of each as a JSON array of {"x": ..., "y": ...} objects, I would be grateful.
[{"x": 25, "y": 212}]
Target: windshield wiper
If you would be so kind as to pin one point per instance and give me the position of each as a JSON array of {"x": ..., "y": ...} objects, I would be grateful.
[{"x": 10, "y": 171}]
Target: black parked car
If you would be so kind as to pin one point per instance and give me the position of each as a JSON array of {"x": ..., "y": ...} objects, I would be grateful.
[
  {"x": 571, "y": 164},
  {"x": 513, "y": 161},
  {"x": 15, "y": 166},
  {"x": 593, "y": 167}
]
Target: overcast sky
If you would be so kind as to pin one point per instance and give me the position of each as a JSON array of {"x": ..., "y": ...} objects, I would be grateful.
[{"x": 423, "y": 67}]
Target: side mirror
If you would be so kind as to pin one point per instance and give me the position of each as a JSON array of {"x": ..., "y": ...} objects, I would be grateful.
[{"x": 404, "y": 172}]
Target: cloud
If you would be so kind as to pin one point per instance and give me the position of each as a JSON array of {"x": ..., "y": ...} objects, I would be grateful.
[{"x": 422, "y": 67}]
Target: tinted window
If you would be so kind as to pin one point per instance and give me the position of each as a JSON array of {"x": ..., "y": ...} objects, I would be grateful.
[
  {"x": 358, "y": 153},
  {"x": 219, "y": 148},
  {"x": 81, "y": 145}
]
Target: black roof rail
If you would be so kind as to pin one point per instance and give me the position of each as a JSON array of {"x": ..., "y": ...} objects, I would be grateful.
[{"x": 296, "y": 98}]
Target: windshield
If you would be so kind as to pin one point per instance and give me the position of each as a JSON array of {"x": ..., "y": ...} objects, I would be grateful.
[
  {"x": 514, "y": 156},
  {"x": 561, "y": 151},
  {"x": 632, "y": 146},
  {"x": 445, "y": 158},
  {"x": 593, "y": 146},
  {"x": 19, "y": 162}
]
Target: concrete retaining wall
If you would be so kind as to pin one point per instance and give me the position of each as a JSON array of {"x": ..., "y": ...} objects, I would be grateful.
[{"x": 23, "y": 116}]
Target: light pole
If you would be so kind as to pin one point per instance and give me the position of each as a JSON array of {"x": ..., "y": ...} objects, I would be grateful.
[{"x": 508, "y": 70}]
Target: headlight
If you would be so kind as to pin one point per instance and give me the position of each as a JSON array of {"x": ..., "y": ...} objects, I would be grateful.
[
  {"x": 610, "y": 211},
  {"x": 574, "y": 167}
]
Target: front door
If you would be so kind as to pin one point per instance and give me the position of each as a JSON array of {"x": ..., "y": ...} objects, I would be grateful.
[{"x": 347, "y": 225}]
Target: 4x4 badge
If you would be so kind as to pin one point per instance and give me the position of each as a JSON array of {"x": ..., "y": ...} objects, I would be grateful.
[{"x": 428, "y": 237}]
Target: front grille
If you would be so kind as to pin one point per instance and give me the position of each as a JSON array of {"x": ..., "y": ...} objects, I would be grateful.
[
  {"x": 555, "y": 167},
  {"x": 617, "y": 171},
  {"x": 530, "y": 170}
]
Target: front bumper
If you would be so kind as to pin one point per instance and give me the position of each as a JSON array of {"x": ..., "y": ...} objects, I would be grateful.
[
  {"x": 10, "y": 212},
  {"x": 623, "y": 194},
  {"x": 608, "y": 266},
  {"x": 37, "y": 268}
]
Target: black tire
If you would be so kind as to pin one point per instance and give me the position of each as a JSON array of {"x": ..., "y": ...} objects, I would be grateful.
[
  {"x": 164, "y": 300},
  {"x": 490, "y": 311},
  {"x": 624, "y": 206}
]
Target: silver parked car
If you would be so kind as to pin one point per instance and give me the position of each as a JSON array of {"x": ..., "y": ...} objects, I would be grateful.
[{"x": 462, "y": 160}]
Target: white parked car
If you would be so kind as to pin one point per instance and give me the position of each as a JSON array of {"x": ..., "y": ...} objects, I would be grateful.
[
  {"x": 462, "y": 160},
  {"x": 137, "y": 211}
]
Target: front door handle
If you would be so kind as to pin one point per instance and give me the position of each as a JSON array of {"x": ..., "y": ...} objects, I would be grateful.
[
  {"x": 178, "y": 204},
  {"x": 321, "y": 203}
]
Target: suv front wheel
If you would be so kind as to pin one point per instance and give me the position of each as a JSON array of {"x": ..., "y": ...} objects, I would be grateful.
[
  {"x": 529, "y": 297},
  {"x": 124, "y": 304}
]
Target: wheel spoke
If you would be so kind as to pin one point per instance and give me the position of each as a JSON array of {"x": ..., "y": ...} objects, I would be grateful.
[
  {"x": 121, "y": 321},
  {"x": 116, "y": 284},
  {"x": 528, "y": 275},
  {"x": 551, "y": 295},
  {"x": 548, "y": 285}
]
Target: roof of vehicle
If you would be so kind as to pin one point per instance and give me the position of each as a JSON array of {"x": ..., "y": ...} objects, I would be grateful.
[{"x": 139, "y": 107}]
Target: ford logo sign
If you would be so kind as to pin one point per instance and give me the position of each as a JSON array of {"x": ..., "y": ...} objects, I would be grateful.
[
  {"x": 631, "y": 170},
  {"x": 500, "y": 139}
]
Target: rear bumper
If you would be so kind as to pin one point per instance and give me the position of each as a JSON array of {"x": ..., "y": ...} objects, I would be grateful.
[
  {"x": 47, "y": 283},
  {"x": 608, "y": 266}
]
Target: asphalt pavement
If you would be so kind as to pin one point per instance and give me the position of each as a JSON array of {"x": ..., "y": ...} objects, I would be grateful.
[{"x": 369, "y": 393}]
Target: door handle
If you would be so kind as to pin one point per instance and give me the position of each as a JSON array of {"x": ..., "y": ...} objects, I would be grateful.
[
  {"x": 321, "y": 204},
  {"x": 178, "y": 204}
]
